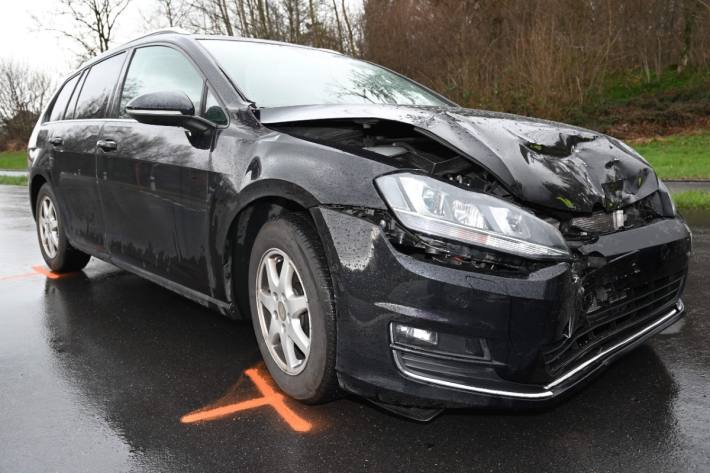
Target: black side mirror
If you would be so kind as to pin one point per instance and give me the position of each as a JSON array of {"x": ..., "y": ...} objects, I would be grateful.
[{"x": 168, "y": 109}]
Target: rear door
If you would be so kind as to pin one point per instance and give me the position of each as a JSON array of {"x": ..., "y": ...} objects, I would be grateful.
[
  {"x": 74, "y": 130},
  {"x": 156, "y": 184}
]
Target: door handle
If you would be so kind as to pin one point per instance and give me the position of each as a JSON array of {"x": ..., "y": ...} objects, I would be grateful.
[
  {"x": 107, "y": 145},
  {"x": 56, "y": 141}
]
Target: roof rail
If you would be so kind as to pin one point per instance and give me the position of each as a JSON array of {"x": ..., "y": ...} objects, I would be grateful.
[
  {"x": 152, "y": 33},
  {"x": 157, "y": 32}
]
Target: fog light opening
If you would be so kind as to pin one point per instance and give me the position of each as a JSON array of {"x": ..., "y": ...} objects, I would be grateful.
[{"x": 420, "y": 337}]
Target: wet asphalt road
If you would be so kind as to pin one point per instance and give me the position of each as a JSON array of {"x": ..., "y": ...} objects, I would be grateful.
[{"x": 97, "y": 369}]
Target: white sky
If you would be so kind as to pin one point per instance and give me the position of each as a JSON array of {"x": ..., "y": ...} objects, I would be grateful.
[{"x": 22, "y": 40}]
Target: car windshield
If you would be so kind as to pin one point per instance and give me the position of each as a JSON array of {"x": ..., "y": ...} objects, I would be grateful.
[{"x": 273, "y": 75}]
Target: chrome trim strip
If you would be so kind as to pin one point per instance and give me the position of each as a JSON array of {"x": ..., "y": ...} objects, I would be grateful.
[
  {"x": 490, "y": 392},
  {"x": 675, "y": 311},
  {"x": 479, "y": 390},
  {"x": 546, "y": 393}
]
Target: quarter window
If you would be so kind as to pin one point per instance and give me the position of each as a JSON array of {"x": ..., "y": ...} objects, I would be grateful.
[
  {"x": 95, "y": 94},
  {"x": 213, "y": 112},
  {"x": 60, "y": 104},
  {"x": 161, "y": 69}
]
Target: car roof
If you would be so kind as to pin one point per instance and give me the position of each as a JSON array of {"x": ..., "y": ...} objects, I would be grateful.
[{"x": 176, "y": 34}]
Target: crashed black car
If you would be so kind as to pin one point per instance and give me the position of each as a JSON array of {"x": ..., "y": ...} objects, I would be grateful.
[{"x": 383, "y": 240}]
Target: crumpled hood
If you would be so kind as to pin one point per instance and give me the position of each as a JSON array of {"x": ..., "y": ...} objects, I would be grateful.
[{"x": 541, "y": 162}]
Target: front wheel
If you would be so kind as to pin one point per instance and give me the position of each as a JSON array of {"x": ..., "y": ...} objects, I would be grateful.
[
  {"x": 59, "y": 255},
  {"x": 292, "y": 308}
]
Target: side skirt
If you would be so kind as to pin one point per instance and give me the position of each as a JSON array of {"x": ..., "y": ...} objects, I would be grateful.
[{"x": 225, "y": 308}]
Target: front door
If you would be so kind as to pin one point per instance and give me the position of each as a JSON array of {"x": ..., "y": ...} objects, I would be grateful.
[{"x": 155, "y": 184}]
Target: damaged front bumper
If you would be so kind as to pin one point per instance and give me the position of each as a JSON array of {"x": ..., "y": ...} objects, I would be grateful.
[{"x": 502, "y": 340}]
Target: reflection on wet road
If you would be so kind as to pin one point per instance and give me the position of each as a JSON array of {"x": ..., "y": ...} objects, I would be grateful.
[{"x": 98, "y": 368}]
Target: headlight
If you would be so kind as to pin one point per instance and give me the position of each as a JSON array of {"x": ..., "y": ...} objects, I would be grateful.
[{"x": 429, "y": 206}]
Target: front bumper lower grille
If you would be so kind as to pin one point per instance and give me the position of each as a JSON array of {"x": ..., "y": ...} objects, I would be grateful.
[
  {"x": 440, "y": 373},
  {"x": 601, "y": 324}
]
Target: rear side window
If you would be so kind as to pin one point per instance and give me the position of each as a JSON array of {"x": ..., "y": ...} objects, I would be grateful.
[
  {"x": 161, "y": 69},
  {"x": 60, "y": 105},
  {"x": 96, "y": 92}
]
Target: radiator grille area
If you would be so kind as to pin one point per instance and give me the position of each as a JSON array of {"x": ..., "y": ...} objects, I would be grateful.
[{"x": 609, "y": 314}]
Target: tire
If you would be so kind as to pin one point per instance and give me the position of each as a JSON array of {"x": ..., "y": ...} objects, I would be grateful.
[
  {"x": 291, "y": 238},
  {"x": 59, "y": 255}
]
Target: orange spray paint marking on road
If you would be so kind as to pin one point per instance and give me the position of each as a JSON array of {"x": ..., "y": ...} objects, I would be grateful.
[
  {"x": 36, "y": 271},
  {"x": 45, "y": 272},
  {"x": 14, "y": 277},
  {"x": 269, "y": 398}
]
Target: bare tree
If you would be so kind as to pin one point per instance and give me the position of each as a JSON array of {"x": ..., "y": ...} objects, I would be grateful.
[
  {"x": 23, "y": 95},
  {"x": 169, "y": 13},
  {"x": 691, "y": 10},
  {"x": 93, "y": 22},
  {"x": 320, "y": 23},
  {"x": 211, "y": 16},
  {"x": 351, "y": 37},
  {"x": 533, "y": 56}
]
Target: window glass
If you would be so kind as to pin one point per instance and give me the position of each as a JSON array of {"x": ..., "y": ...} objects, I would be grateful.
[
  {"x": 161, "y": 69},
  {"x": 213, "y": 111},
  {"x": 96, "y": 92},
  {"x": 280, "y": 75},
  {"x": 60, "y": 105},
  {"x": 72, "y": 101}
]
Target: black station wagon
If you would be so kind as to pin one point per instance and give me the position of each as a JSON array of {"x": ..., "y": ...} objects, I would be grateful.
[{"x": 383, "y": 240}]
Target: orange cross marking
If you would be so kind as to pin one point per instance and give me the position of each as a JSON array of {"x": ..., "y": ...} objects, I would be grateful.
[
  {"x": 45, "y": 272},
  {"x": 12, "y": 277},
  {"x": 269, "y": 398},
  {"x": 36, "y": 271}
]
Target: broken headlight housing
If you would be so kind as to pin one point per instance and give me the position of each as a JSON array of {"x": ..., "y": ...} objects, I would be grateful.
[{"x": 427, "y": 205}]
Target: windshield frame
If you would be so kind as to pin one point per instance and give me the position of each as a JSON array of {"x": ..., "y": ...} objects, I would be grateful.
[{"x": 246, "y": 98}]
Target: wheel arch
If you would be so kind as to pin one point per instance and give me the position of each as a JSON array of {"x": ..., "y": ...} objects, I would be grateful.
[
  {"x": 260, "y": 205},
  {"x": 35, "y": 185}
]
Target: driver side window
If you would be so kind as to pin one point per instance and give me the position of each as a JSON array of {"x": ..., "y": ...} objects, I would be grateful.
[{"x": 161, "y": 69}]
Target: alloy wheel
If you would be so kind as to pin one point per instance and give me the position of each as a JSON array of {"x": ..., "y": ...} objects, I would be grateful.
[
  {"x": 282, "y": 307},
  {"x": 48, "y": 227}
]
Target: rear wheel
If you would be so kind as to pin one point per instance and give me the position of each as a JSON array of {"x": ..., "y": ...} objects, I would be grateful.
[
  {"x": 292, "y": 308},
  {"x": 59, "y": 255}
]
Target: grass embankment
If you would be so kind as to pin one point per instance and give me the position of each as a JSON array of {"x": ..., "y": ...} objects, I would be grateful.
[
  {"x": 678, "y": 156},
  {"x": 637, "y": 105},
  {"x": 684, "y": 157},
  {"x": 15, "y": 160},
  {"x": 13, "y": 180},
  {"x": 692, "y": 200}
]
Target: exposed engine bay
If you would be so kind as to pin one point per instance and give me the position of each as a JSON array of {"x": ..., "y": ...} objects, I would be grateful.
[
  {"x": 400, "y": 144},
  {"x": 410, "y": 147}
]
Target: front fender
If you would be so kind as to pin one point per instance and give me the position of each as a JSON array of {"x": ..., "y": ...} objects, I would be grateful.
[{"x": 280, "y": 166}]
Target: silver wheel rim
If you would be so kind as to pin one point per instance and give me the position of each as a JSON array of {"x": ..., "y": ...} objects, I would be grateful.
[
  {"x": 48, "y": 227},
  {"x": 282, "y": 307}
]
